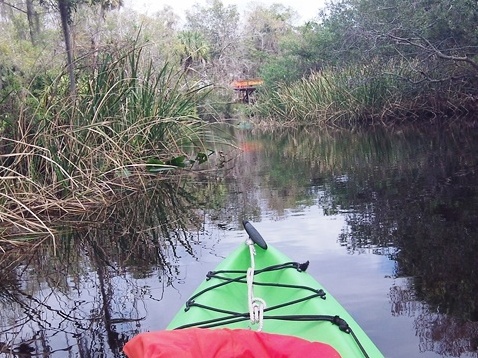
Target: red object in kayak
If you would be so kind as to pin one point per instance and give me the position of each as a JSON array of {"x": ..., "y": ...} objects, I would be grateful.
[{"x": 223, "y": 343}]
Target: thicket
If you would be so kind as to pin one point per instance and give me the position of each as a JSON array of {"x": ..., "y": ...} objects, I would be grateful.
[
  {"x": 368, "y": 61},
  {"x": 94, "y": 98},
  {"x": 63, "y": 157},
  {"x": 130, "y": 120}
]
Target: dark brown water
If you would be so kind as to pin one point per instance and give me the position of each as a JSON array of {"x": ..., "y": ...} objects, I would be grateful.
[{"x": 386, "y": 217}]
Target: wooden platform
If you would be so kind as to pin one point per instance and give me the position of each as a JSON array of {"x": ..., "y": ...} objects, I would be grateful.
[{"x": 245, "y": 89}]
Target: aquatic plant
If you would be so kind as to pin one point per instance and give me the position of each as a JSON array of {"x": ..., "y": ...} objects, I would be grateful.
[
  {"x": 374, "y": 92},
  {"x": 63, "y": 156}
]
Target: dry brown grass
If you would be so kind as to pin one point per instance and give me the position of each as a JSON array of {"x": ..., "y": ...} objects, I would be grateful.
[{"x": 68, "y": 159}]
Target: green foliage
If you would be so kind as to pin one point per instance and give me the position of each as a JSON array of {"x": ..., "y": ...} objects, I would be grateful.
[
  {"x": 353, "y": 94},
  {"x": 218, "y": 27},
  {"x": 217, "y": 23},
  {"x": 367, "y": 59},
  {"x": 154, "y": 165},
  {"x": 131, "y": 94},
  {"x": 128, "y": 119},
  {"x": 201, "y": 158},
  {"x": 192, "y": 48},
  {"x": 280, "y": 70},
  {"x": 264, "y": 30},
  {"x": 263, "y": 37}
]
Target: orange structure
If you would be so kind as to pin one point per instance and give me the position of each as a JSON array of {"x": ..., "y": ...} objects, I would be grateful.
[{"x": 245, "y": 88}]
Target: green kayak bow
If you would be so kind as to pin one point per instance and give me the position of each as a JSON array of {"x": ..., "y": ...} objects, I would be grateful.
[{"x": 257, "y": 287}]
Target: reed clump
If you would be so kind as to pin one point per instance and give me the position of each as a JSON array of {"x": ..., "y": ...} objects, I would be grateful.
[
  {"x": 370, "y": 93},
  {"x": 130, "y": 122}
]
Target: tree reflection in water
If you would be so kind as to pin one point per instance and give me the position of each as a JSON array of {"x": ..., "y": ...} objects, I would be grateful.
[
  {"x": 418, "y": 193},
  {"x": 410, "y": 193},
  {"x": 444, "y": 334},
  {"x": 85, "y": 299}
]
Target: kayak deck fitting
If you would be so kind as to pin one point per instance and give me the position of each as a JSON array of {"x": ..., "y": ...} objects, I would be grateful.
[{"x": 264, "y": 290}]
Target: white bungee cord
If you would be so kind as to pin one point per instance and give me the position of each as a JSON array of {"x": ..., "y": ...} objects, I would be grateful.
[{"x": 256, "y": 304}]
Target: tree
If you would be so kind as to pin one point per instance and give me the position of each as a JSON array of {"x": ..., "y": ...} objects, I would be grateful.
[
  {"x": 436, "y": 39},
  {"x": 437, "y": 32},
  {"x": 218, "y": 24},
  {"x": 30, "y": 11},
  {"x": 263, "y": 35},
  {"x": 192, "y": 49},
  {"x": 432, "y": 32},
  {"x": 33, "y": 21},
  {"x": 65, "y": 9}
]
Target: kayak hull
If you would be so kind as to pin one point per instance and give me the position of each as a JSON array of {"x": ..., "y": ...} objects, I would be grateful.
[{"x": 290, "y": 306}]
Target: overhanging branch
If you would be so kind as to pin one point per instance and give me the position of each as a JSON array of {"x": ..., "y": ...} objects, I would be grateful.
[
  {"x": 427, "y": 46},
  {"x": 13, "y": 7}
]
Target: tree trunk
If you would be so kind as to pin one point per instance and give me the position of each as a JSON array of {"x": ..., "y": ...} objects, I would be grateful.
[
  {"x": 64, "y": 6},
  {"x": 32, "y": 22}
]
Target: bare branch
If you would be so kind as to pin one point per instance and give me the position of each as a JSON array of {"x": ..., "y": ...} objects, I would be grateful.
[
  {"x": 14, "y": 7},
  {"x": 429, "y": 47}
]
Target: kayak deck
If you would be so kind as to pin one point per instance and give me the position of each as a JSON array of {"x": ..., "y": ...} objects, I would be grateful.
[{"x": 296, "y": 304}]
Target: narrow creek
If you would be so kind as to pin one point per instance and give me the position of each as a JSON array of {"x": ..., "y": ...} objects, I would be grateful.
[{"x": 387, "y": 218}]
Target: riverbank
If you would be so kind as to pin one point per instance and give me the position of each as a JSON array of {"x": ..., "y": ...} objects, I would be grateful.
[
  {"x": 370, "y": 94},
  {"x": 127, "y": 128}
]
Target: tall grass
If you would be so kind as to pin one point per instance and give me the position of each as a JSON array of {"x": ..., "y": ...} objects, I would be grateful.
[
  {"x": 360, "y": 93},
  {"x": 61, "y": 156}
]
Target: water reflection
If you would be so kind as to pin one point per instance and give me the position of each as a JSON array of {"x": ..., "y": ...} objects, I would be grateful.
[
  {"x": 413, "y": 190},
  {"x": 84, "y": 296},
  {"x": 425, "y": 205},
  {"x": 408, "y": 194}
]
